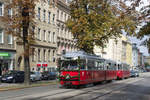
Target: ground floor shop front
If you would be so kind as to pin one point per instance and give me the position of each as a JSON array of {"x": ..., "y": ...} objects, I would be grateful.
[{"x": 7, "y": 61}]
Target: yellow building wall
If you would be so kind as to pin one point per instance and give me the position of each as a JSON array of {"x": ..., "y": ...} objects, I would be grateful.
[
  {"x": 129, "y": 54},
  {"x": 128, "y": 50}
]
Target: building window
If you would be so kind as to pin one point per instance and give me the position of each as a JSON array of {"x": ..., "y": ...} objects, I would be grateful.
[
  {"x": 39, "y": 55},
  {"x": 62, "y": 16},
  {"x": 1, "y": 36},
  {"x": 49, "y": 17},
  {"x": 1, "y": 9},
  {"x": 39, "y": 34},
  {"x": 49, "y": 55},
  {"x": 33, "y": 32},
  {"x": 58, "y": 32},
  {"x": 49, "y": 38},
  {"x": 39, "y": 13},
  {"x": 44, "y": 55},
  {"x": 44, "y": 15},
  {"x": 65, "y": 17},
  {"x": 33, "y": 54},
  {"x": 53, "y": 55},
  {"x": 10, "y": 12},
  {"x": 53, "y": 37},
  {"x": 53, "y": 18},
  {"x": 58, "y": 14},
  {"x": 10, "y": 39},
  {"x": 44, "y": 34}
]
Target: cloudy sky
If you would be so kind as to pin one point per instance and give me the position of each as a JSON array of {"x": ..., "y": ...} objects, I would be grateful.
[{"x": 135, "y": 40}]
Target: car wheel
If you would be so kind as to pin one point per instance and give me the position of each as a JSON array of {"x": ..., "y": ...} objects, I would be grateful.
[{"x": 14, "y": 80}]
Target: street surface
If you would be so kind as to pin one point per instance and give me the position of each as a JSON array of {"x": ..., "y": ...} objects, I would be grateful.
[{"x": 127, "y": 89}]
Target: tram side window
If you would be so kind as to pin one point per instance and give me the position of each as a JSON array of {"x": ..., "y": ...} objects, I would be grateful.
[
  {"x": 101, "y": 66},
  {"x": 113, "y": 67},
  {"x": 109, "y": 66},
  {"x": 96, "y": 65},
  {"x": 119, "y": 67},
  {"x": 83, "y": 64},
  {"x": 90, "y": 64}
]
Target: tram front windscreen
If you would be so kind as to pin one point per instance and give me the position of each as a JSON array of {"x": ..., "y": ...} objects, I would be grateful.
[{"x": 70, "y": 64}]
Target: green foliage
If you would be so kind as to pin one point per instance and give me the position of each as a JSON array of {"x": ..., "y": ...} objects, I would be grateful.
[
  {"x": 145, "y": 30},
  {"x": 94, "y": 22}
]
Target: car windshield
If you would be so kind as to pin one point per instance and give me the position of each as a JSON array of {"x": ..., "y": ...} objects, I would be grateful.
[
  {"x": 70, "y": 64},
  {"x": 9, "y": 73},
  {"x": 32, "y": 73}
]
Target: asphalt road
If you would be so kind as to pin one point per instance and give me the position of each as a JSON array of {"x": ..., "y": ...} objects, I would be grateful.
[{"x": 127, "y": 89}]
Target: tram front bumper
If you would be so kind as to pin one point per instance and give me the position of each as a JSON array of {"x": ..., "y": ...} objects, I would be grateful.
[{"x": 67, "y": 83}]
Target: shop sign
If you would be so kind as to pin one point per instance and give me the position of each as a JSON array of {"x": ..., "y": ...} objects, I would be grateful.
[
  {"x": 4, "y": 54},
  {"x": 44, "y": 65},
  {"x": 38, "y": 65}
]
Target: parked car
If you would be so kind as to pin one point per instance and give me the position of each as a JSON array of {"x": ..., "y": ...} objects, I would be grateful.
[
  {"x": 134, "y": 73},
  {"x": 13, "y": 77},
  {"x": 48, "y": 75},
  {"x": 35, "y": 76}
]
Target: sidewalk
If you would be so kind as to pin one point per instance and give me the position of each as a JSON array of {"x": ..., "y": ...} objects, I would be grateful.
[
  {"x": 7, "y": 84},
  {"x": 12, "y": 86}
]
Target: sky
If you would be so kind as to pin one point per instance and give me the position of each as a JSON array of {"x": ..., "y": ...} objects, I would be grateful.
[{"x": 143, "y": 49}]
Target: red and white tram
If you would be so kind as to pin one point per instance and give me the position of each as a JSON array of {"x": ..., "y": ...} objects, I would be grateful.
[
  {"x": 123, "y": 71},
  {"x": 79, "y": 68}
]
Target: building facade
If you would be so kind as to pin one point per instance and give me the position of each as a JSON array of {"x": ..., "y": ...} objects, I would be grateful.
[
  {"x": 7, "y": 43},
  {"x": 134, "y": 55},
  {"x": 119, "y": 50},
  {"x": 65, "y": 40},
  {"x": 147, "y": 60},
  {"x": 140, "y": 59},
  {"x": 52, "y": 36},
  {"x": 44, "y": 50},
  {"x": 129, "y": 53}
]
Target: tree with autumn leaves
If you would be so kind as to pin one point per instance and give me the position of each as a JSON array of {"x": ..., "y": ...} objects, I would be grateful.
[
  {"x": 21, "y": 25},
  {"x": 94, "y": 22},
  {"x": 145, "y": 30}
]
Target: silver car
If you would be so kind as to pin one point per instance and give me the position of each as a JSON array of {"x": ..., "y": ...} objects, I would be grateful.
[{"x": 35, "y": 76}]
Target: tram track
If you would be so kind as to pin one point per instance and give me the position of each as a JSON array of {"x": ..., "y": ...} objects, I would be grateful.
[
  {"x": 91, "y": 89},
  {"x": 73, "y": 94},
  {"x": 101, "y": 89}
]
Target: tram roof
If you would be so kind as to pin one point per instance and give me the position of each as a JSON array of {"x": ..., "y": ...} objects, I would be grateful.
[{"x": 80, "y": 54}]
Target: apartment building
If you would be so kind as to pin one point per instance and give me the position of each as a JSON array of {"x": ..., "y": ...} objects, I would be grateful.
[
  {"x": 129, "y": 53},
  {"x": 44, "y": 50},
  {"x": 7, "y": 43},
  {"x": 65, "y": 40},
  {"x": 119, "y": 50},
  {"x": 135, "y": 51}
]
